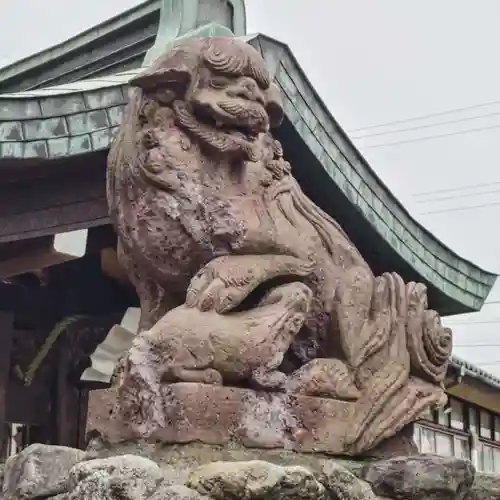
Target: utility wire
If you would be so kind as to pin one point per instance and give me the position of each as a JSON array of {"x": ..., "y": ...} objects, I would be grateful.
[
  {"x": 431, "y": 137},
  {"x": 459, "y": 188},
  {"x": 476, "y": 345},
  {"x": 485, "y": 322},
  {"x": 454, "y": 197},
  {"x": 423, "y": 117},
  {"x": 457, "y": 209},
  {"x": 427, "y": 125}
]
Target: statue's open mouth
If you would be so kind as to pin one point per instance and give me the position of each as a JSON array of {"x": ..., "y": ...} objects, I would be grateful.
[{"x": 248, "y": 125}]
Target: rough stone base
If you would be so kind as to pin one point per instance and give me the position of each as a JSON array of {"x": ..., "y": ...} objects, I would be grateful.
[
  {"x": 132, "y": 471},
  {"x": 180, "y": 460}
]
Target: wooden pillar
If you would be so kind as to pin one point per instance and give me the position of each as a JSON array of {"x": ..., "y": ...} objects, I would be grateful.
[
  {"x": 6, "y": 341},
  {"x": 83, "y": 411},
  {"x": 70, "y": 403}
]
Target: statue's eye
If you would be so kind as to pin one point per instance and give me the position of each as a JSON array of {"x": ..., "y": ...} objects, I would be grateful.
[
  {"x": 219, "y": 82},
  {"x": 164, "y": 96}
]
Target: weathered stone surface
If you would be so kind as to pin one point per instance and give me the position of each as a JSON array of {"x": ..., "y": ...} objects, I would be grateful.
[
  {"x": 176, "y": 492},
  {"x": 218, "y": 415},
  {"x": 256, "y": 479},
  {"x": 125, "y": 477},
  {"x": 426, "y": 477},
  {"x": 402, "y": 444},
  {"x": 343, "y": 484},
  {"x": 276, "y": 297},
  {"x": 39, "y": 471},
  {"x": 178, "y": 461},
  {"x": 153, "y": 471},
  {"x": 485, "y": 487}
]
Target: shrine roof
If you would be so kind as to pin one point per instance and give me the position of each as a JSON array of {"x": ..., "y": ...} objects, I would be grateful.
[
  {"x": 118, "y": 42},
  {"x": 82, "y": 117}
]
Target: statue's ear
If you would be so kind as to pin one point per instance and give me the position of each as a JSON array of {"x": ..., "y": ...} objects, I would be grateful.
[
  {"x": 173, "y": 70},
  {"x": 274, "y": 105},
  {"x": 177, "y": 79}
]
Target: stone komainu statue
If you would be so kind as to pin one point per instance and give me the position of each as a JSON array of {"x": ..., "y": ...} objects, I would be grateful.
[{"x": 243, "y": 280}]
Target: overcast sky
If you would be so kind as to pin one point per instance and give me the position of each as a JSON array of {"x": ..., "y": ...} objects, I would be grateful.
[{"x": 375, "y": 62}]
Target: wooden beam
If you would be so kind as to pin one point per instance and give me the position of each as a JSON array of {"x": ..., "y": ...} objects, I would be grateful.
[
  {"x": 23, "y": 256},
  {"x": 37, "y": 207}
]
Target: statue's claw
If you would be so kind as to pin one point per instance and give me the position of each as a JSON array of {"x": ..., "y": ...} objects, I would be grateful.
[{"x": 225, "y": 282}]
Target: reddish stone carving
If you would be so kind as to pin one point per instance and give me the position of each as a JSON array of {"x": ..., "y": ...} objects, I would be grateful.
[{"x": 249, "y": 292}]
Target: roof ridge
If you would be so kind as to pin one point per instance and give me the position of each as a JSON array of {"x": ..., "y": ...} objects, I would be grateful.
[{"x": 77, "y": 41}]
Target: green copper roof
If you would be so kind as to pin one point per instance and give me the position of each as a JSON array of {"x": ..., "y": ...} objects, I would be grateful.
[
  {"x": 123, "y": 42},
  {"x": 82, "y": 117},
  {"x": 25, "y": 72}
]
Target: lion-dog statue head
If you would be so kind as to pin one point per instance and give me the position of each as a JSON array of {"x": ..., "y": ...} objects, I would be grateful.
[{"x": 219, "y": 88}]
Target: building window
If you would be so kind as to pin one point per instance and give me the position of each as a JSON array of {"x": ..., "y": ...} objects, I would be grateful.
[
  {"x": 441, "y": 443},
  {"x": 426, "y": 440},
  {"x": 486, "y": 458},
  {"x": 473, "y": 420},
  {"x": 485, "y": 422},
  {"x": 457, "y": 414},
  {"x": 449, "y": 433},
  {"x": 429, "y": 415},
  {"x": 444, "y": 444},
  {"x": 497, "y": 428},
  {"x": 496, "y": 459},
  {"x": 443, "y": 418},
  {"x": 462, "y": 447}
]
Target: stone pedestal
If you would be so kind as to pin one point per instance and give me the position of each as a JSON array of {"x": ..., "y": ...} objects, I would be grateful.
[
  {"x": 219, "y": 415},
  {"x": 225, "y": 416}
]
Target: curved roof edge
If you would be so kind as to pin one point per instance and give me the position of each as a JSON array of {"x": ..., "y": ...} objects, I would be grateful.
[
  {"x": 474, "y": 371},
  {"x": 83, "y": 116}
]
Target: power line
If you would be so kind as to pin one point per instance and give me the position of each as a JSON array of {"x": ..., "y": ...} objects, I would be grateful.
[
  {"x": 459, "y": 188},
  {"x": 427, "y": 125},
  {"x": 457, "y": 209},
  {"x": 485, "y": 322},
  {"x": 430, "y": 137},
  {"x": 454, "y": 197},
  {"x": 476, "y": 345},
  {"x": 429, "y": 115}
]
